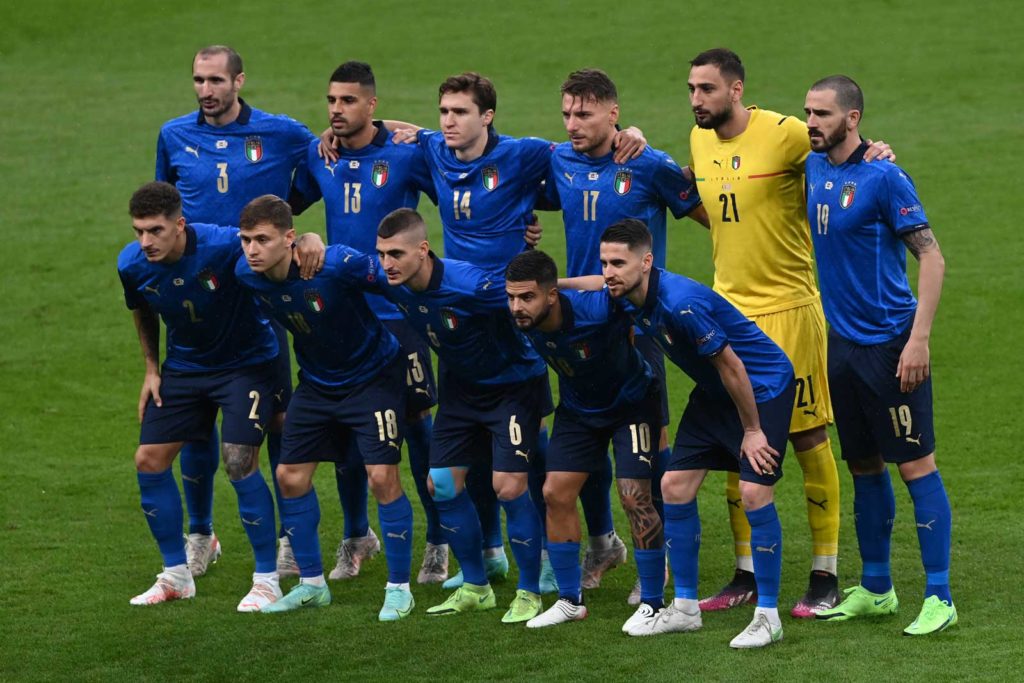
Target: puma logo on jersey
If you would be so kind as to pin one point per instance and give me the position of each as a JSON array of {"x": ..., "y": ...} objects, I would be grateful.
[
  {"x": 525, "y": 455},
  {"x": 192, "y": 150},
  {"x": 399, "y": 536},
  {"x": 421, "y": 390},
  {"x": 330, "y": 169},
  {"x": 687, "y": 311},
  {"x": 770, "y": 549},
  {"x": 644, "y": 458},
  {"x": 814, "y": 502},
  {"x": 487, "y": 284},
  {"x": 911, "y": 439},
  {"x": 394, "y": 445},
  {"x": 154, "y": 290},
  {"x": 347, "y": 257},
  {"x": 258, "y": 426},
  {"x": 279, "y": 395},
  {"x": 811, "y": 411},
  {"x": 718, "y": 163},
  {"x": 569, "y": 176}
]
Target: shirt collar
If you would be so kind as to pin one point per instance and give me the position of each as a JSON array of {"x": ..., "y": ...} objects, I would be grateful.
[
  {"x": 652, "y": 292},
  {"x": 243, "y": 116},
  {"x": 190, "y": 240},
  {"x": 858, "y": 154},
  {"x": 381, "y": 138},
  {"x": 437, "y": 274},
  {"x": 568, "y": 317}
]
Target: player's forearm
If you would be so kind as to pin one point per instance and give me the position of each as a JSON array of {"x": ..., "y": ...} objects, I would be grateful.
[
  {"x": 393, "y": 125},
  {"x": 737, "y": 383},
  {"x": 147, "y": 325},
  {"x": 929, "y": 288},
  {"x": 592, "y": 283}
]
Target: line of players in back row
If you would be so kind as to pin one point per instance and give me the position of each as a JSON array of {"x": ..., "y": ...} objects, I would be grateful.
[{"x": 493, "y": 384}]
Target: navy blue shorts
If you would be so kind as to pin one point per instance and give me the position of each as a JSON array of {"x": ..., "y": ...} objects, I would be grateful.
[
  {"x": 282, "y": 369},
  {"x": 421, "y": 391},
  {"x": 191, "y": 400},
  {"x": 579, "y": 443},
  {"x": 473, "y": 418},
  {"x": 710, "y": 434},
  {"x": 872, "y": 415},
  {"x": 654, "y": 356},
  {"x": 323, "y": 421}
]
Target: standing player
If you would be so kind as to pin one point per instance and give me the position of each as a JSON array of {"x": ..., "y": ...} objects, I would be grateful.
[
  {"x": 736, "y": 419},
  {"x": 351, "y": 388},
  {"x": 748, "y": 165},
  {"x": 608, "y": 395},
  {"x": 865, "y": 216},
  {"x": 493, "y": 392},
  {"x": 220, "y": 355},
  {"x": 372, "y": 177},
  {"x": 220, "y": 158},
  {"x": 594, "y": 189}
]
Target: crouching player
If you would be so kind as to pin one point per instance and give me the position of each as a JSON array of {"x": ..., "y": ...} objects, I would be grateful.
[
  {"x": 220, "y": 355},
  {"x": 608, "y": 394},
  {"x": 737, "y": 418},
  {"x": 351, "y": 386}
]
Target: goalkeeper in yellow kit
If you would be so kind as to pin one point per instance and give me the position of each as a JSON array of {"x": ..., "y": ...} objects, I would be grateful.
[{"x": 749, "y": 167}]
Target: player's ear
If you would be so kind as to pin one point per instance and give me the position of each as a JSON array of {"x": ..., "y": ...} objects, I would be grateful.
[
  {"x": 488, "y": 117},
  {"x": 239, "y": 80},
  {"x": 424, "y": 249},
  {"x": 737, "y": 90},
  {"x": 372, "y": 102},
  {"x": 289, "y": 236},
  {"x": 647, "y": 262},
  {"x": 179, "y": 224},
  {"x": 613, "y": 114},
  {"x": 852, "y": 119}
]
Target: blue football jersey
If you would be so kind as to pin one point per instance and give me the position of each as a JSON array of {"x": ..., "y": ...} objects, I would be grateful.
[
  {"x": 485, "y": 203},
  {"x": 360, "y": 189},
  {"x": 599, "y": 370},
  {"x": 212, "y": 322},
  {"x": 338, "y": 340},
  {"x": 463, "y": 314},
  {"x": 220, "y": 169},
  {"x": 859, "y": 213},
  {"x": 690, "y": 323},
  {"x": 595, "y": 193}
]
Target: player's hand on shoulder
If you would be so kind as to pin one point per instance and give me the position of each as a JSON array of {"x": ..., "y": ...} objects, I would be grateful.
[
  {"x": 629, "y": 144},
  {"x": 756, "y": 449},
  {"x": 403, "y": 136},
  {"x": 309, "y": 254},
  {"x": 150, "y": 387},
  {"x": 327, "y": 148},
  {"x": 879, "y": 150},
  {"x": 913, "y": 367}
]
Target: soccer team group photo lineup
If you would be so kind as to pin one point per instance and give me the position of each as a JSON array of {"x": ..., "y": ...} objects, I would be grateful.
[{"x": 449, "y": 357}]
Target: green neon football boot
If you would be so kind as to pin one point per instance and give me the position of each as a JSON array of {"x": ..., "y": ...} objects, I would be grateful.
[{"x": 860, "y": 602}]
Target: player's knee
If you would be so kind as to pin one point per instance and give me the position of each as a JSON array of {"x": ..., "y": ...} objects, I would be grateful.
[
  {"x": 292, "y": 481},
  {"x": 153, "y": 458},
  {"x": 441, "y": 484},
  {"x": 509, "y": 486},
  {"x": 239, "y": 460},
  {"x": 808, "y": 439},
  {"x": 755, "y": 496},
  {"x": 679, "y": 487},
  {"x": 915, "y": 469},
  {"x": 384, "y": 482},
  {"x": 860, "y": 467},
  {"x": 556, "y": 497}
]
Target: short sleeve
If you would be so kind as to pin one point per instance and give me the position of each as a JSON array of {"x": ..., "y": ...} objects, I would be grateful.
[
  {"x": 490, "y": 292},
  {"x": 420, "y": 173},
  {"x": 535, "y": 156},
  {"x": 703, "y": 332},
  {"x": 164, "y": 170},
  {"x": 132, "y": 298},
  {"x": 304, "y": 182},
  {"x": 673, "y": 187},
  {"x": 903, "y": 211},
  {"x": 363, "y": 271},
  {"x": 797, "y": 144}
]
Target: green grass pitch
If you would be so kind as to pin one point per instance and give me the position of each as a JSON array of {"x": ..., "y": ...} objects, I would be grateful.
[{"x": 85, "y": 89}]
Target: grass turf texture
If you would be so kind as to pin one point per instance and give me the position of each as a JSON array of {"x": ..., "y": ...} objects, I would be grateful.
[{"x": 86, "y": 87}]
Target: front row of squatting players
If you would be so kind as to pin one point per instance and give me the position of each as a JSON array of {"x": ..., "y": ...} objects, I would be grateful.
[{"x": 213, "y": 286}]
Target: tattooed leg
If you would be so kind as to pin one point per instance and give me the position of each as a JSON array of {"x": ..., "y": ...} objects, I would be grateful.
[{"x": 644, "y": 522}]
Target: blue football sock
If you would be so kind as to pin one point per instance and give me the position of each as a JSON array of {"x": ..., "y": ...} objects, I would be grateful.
[
  {"x": 256, "y": 508},
  {"x": 354, "y": 495},
  {"x": 766, "y": 543},
  {"x": 396, "y": 526},
  {"x": 524, "y": 534},
  {"x": 934, "y": 531},
  {"x": 481, "y": 490},
  {"x": 461, "y": 528},
  {"x": 301, "y": 518},
  {"x": 199, "y": 461},
  {"x": 682, "y": 543},
  {"x": 565, "y": 562},
  {"x": 274, "y": 456},
  {"x": 660, "y": 463},
  {"x": 537, "y": 474},
  {"x": 161, "y": 503},
  {"x": 596, "y": 500},
  {"x": 874, "y": 508},
  {"x": 417, "y": 439},
  {"x": 650, "y": 567}
]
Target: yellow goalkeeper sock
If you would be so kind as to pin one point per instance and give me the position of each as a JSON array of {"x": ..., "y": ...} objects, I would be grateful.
[
  {"x": 821, "y": 488},
  {"x": 738, "y": 522}
]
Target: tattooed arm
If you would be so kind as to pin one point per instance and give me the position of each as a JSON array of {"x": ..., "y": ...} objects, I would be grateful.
[{"x": 914, "y": 366}]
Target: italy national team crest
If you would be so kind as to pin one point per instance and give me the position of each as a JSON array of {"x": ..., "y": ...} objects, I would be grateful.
[
  {"x": 208, "y": 280},
  {"x": 379, "y": 174},
  {"x": 314, "y": 301},
  {"x": 736, "y": 163},
  {"x": 623, "y": 181},
  {"x": 846, "y": 195},
  {"x": 490, "y": 178},
  {"x": 254, "y": 148},
  {"x": 448, "y": 319},
  {"x": 582, "y": 350}
]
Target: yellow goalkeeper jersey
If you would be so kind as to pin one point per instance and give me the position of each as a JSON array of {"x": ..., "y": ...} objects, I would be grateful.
[{"x": 752, "y": 187}]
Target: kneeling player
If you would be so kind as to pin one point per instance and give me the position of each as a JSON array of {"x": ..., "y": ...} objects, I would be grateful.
[
  {"x": 867, "y": 216},
  {"x": 737, "y": 418},
  {"x": 220, "y": 355},
  {"x": 351, "y": 387},
  {"x": 608, "y": 395}
]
